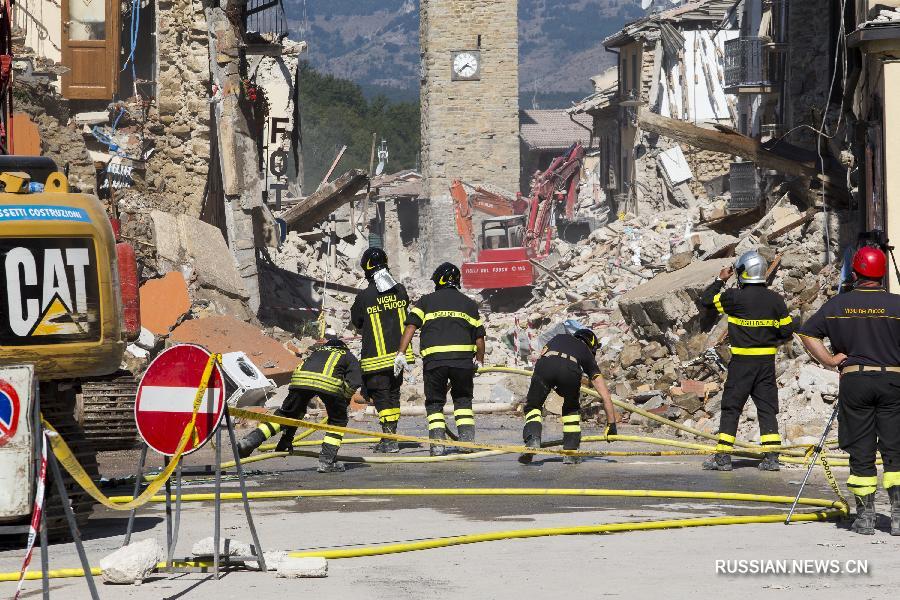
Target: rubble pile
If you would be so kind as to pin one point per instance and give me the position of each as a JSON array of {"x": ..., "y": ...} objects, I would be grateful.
[{"x": 637, "y": 282}]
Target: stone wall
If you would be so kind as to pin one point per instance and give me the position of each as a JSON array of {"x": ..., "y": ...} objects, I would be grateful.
[
  {"x": 180, "y": 123},
  {"x": 469, "y": 128},
  {"x": 810, "y": 68}
]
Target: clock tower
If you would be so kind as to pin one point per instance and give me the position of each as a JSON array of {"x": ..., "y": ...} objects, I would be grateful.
[{"x": 470, "y": 109}]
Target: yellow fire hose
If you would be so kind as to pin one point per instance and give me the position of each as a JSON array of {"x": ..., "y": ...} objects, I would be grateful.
[{"x": 834, "y": 509}]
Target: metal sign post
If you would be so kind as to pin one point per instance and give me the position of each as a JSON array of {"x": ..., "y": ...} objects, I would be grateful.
[{"x": 186, "y": 379}]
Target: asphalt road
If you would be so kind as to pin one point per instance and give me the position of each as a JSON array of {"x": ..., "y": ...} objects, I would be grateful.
[{"x": 628, "y": 565}]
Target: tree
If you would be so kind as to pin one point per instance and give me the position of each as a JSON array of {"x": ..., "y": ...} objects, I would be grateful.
[{"x": 334, "y": 112}]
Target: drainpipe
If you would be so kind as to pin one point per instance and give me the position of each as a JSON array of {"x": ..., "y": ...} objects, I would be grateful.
[{"x": 590, "y": 130}]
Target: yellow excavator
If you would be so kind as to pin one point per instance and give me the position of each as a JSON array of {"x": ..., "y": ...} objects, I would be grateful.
[{"x": 68, "y": 306}]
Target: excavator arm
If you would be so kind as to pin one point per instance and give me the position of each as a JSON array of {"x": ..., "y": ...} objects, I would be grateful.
[{"x": 556, "y": 185}]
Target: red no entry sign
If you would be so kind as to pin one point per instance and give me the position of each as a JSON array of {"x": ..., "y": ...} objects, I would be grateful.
[{"x": 165, "y": 399}]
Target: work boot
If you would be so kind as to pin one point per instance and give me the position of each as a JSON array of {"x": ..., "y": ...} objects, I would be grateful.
[
  {"x": 531, "y": 441},
  {"x": 250, "y": 442},
  {"x": 386, "y": 446},
  {"x": 327, "y": 460},
  {"x": 466, "y": 433},
  {"x": 437, "y": 434},
  {"x": 864, "y": 524},
  {"x": 573, "y": 460},
  {"x": 894, "y": 493},
  {"x": 718, "y": 462},
  {"x": 769, "y": 462},
  {"x": 286, "y": 442}
]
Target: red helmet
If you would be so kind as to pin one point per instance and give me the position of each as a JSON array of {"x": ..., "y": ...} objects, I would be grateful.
[{"x": 870, "y": 262}]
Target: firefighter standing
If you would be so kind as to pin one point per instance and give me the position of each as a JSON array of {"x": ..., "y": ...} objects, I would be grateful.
[
  {"x": 452, "y": 349},
  {"x": 562, "y": 361},
  {"x": 758, "y": 321},
  {"x": 863, "y": 326},
  {"x": 379, "y": 312},
  {"x": 330, "y": 372}
]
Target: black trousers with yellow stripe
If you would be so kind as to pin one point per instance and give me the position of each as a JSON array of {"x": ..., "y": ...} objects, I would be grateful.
[
  {"x": 294, "y": 407},
  {"x": 564, "y": 377},
  {"x": 753, "y": 377},
  {"x": 869, "y": 420},
  {"x": 461, "y": 384},
  {"x": 383, "y": 388}
]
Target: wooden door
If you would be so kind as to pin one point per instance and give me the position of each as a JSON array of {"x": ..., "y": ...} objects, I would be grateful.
[{"x": 90, "y": 38}]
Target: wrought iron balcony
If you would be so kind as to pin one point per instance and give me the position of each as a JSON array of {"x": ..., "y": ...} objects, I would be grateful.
[{"x": 749, "y": 66}]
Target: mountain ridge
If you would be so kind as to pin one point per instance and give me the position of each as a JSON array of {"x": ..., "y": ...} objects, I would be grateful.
[{"x": 376, "y": 42}]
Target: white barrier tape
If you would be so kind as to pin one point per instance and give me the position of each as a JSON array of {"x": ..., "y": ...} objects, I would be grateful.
[{"x": 35, "y": 516}]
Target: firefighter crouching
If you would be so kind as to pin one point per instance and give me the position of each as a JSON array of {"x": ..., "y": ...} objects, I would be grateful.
[
  {"x": 863, "y": 326},
  {"x": 330, "y": 372},
  {"x": 562, "y": 361},
  {"x": 379, "y": 312},
  {"x": 758, "y": 321},
  {"x": 452, "y": 349}
]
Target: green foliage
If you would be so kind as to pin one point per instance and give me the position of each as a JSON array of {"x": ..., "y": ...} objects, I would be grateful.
[{"x": 335, "y": 112}]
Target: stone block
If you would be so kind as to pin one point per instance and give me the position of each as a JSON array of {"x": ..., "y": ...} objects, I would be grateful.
[
  {"x": 131, "y": 563},
  {"x": 295, "y": 568},
  {"x": 227, "y": 546}
]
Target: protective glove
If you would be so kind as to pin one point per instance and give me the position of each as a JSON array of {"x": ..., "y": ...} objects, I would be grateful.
[
  {"x": 477, "y": 366},
  {"x": 399, "y": 364},
  {"x": 610, "y": 430}
]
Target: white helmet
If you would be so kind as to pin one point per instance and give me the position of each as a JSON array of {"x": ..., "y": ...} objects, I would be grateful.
[{"x": 751, "y": 268}]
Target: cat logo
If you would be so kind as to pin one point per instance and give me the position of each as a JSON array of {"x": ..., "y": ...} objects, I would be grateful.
[{"x": 51, "y": 292}]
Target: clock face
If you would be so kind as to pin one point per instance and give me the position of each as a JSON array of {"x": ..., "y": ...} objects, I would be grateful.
[{"x": 465, "y": 64}]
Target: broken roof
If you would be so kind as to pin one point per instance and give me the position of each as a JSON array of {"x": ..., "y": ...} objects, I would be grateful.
[
  {"x": 699, "y": 12},
  {"x": 553, "y": 129},
  {"x": 596, "y": 102}
]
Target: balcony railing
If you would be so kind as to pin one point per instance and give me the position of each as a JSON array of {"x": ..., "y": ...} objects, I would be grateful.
[
  {"x": 748, "y": 66},
  {"x": 265, "y": 17}
]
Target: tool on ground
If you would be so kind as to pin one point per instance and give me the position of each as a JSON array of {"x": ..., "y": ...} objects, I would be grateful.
[{"x": 815, "y": 456}]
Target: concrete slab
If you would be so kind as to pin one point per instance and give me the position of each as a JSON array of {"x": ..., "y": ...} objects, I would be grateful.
[
  {"x": 185, "y": 241},
  {"x": 669, "y": 301}
]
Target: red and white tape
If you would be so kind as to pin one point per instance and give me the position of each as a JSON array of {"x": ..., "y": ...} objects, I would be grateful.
[{"x": 35, "y": 515}]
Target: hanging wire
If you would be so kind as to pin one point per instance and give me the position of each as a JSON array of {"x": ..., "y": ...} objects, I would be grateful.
[{"x": 135, "y": 28}]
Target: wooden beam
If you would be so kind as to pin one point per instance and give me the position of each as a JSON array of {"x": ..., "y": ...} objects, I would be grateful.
[
  {"x": 724, "y": 142},
  {"x": 317, "y": 206}
]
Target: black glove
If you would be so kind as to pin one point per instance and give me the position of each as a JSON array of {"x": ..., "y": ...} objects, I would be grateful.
[
  {"x": 610, "y": 430},
  {"x": 286, "y": 443}
]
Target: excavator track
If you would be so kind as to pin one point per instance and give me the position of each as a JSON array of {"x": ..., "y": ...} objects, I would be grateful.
[
  {"x": 105, "y": 411},
  {"x": 58, "y": 408}
]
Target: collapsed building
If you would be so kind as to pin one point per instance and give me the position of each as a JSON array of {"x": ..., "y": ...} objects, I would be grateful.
[
  {"x": 180, "y": 117},
  {"x": 723, "y": 127}
]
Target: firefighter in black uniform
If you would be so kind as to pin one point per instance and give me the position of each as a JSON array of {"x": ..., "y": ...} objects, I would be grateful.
[
  {"x": 379, "y": 312},
  {"x": 562, "y": 361},
  {"x": 758, "y": 321},
  {"x": 863, "y": 326},
  {"x": 452, "y": 349},
  {"x": 330, "y": 372}
]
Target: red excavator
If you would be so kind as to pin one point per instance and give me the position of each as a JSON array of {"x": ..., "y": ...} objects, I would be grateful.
[{"x": 518, "y": 230}]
